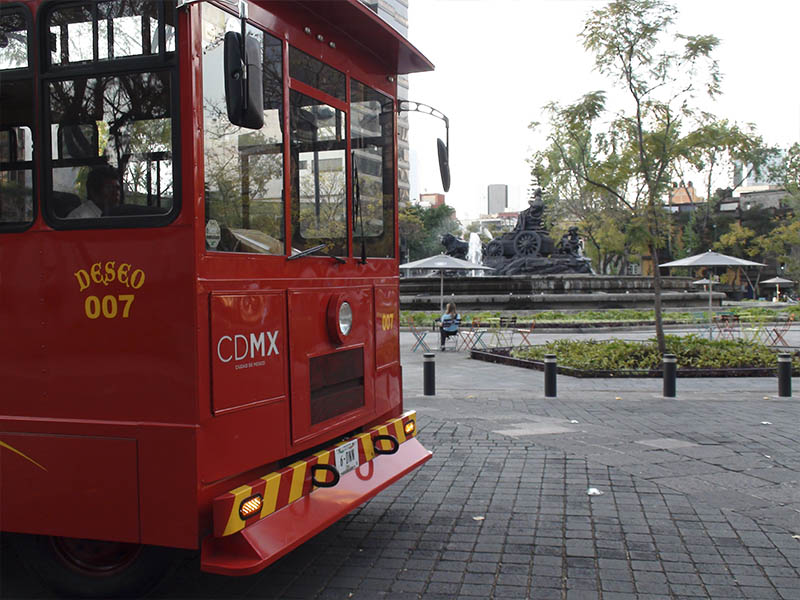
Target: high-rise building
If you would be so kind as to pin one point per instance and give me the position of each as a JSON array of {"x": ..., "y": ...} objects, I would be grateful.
[
  {"x": 498, "y": 198},
  {"x": 395, "y": 13}
]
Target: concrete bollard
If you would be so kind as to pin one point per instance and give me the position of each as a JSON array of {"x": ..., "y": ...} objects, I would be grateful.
[
  {"x": 785, "y": 375},
  {"x": 429, "y": 374},
  {"x": 550, "y": 375},
  {"x": 670, "y": 371}
]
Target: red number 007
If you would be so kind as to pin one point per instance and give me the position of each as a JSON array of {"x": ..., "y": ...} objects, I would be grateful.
[{"x": 108, "y": 306}]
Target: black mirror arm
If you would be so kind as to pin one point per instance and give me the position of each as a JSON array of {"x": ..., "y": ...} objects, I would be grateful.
[
  {"x": 442, "y": 147},
  {"x": 412, "y": 106}
]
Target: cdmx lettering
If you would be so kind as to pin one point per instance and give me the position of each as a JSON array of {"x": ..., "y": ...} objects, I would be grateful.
[
  {"x": 240, "y": 347},
  {"x": 104, "y": 274}
]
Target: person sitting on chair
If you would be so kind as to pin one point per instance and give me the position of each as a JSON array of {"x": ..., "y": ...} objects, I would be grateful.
[{"x": 449, "y": 323}]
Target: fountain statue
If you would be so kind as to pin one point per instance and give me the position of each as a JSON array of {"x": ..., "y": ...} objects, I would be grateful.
[
  {"x": 455, "y": 247},
  {"x": 528, "y": 249},
  {"x": 475, "y": 251}
]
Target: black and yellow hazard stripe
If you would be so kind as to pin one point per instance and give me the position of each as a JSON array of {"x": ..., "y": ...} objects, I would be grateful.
[{"x": 280, "y": 488}]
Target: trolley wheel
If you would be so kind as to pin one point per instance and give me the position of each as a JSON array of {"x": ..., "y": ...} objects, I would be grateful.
[
  {"x": 527, "y": 243},
  {"x": 76, "y": 567},
  {"x": 494, "y": 248}
]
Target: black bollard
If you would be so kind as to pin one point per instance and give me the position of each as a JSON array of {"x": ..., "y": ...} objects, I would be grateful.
[
  {"x": 429, "y": 374},
  {"x": 670, "y": 370},
  {"x": 785, "y": 375},
  {"x": 549, "y": 375}
]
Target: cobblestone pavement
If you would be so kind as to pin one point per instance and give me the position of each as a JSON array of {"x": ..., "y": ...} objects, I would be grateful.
[{"x": 700, "y": 498}]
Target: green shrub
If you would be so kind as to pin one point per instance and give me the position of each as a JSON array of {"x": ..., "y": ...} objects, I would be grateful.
[{"x": 691, "y": 351}]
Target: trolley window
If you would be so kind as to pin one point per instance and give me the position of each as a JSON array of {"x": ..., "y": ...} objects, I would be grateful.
[
  {"x": 16, "y": 122},
  {"x": 317, "y": 74},
  {"x": 109, "y": 105},
  {"x": 243, "y": 167},
  {"x": 109, "y": 29},
  {"x": 372, "y": 142},
  {"x": 319, "y": 175}
]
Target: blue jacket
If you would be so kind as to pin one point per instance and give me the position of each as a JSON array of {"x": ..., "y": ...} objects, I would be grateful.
[{"x": 449, "y": 323}]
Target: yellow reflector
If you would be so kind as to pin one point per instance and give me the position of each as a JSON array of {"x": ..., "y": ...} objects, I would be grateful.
[
  {"x": 251, "y": 506},
  {"x": 409, "y": 427}
]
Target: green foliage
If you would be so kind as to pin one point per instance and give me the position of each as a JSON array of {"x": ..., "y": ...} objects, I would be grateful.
[
  {"x": 691, "y": 351},
  {"x": 421, "y": 229},
  {"x": 624, "y": 160}
]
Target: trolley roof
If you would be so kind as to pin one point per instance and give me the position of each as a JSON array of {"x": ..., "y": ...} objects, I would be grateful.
[{"x": 361, "y": 24}]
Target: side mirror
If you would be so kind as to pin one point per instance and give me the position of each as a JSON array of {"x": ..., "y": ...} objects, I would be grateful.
[
  {"x": 244, "y": 92},
  {"x": 444, "y": 164}
]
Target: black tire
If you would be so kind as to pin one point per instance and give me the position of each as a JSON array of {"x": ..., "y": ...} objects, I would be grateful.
[{"x": 78, "y": 568}]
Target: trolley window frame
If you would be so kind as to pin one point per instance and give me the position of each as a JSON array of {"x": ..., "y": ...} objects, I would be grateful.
[
  {"x": 295, "y": 226},
  {"x": 21, "y": 74},
  {"x": 161, "y": 62},
  {"x": 386, "y": 88},
  {"x": 254, "y": 25}
]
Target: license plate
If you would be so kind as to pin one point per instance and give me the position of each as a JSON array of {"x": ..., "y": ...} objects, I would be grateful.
[{"x": 346, "y": 457}]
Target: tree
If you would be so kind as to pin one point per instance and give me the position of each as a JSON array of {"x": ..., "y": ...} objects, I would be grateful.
[
  {"x": 585, "y": 177},
  {"x": 628, "y": 157},
  {"x": 421, "y": 229},
  {"x": 789, "y": 174},
  {"x": 778, "y": 244},
  {"x": 714, "y": 146}
]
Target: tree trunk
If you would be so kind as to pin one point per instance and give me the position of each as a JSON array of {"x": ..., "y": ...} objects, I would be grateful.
[{"x": 662, "y": 347}]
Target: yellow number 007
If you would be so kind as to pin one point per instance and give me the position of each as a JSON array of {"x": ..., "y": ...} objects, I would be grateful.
[{"x": 108, "y": 306}]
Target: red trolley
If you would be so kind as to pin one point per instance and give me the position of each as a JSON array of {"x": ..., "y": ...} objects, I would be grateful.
[{"x": 198, "y": 280}]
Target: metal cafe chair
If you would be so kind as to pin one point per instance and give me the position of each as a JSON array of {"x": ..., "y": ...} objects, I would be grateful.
[
  {"x": 419, "y": 337},
  {"x": 777, "y": 331},
  {"x": 471, "y": 336},
  {"x": 504, "y": 334},
  {"x": 526, "y": 334}
]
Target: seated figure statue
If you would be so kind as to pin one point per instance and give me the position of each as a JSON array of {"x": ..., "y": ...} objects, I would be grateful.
[
  {"x": 570, "y": 243},
  {"x": 531, "y": 218}
]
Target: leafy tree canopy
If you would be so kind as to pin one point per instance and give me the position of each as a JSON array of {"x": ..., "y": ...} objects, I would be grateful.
[{"x": 421, "y": 230}]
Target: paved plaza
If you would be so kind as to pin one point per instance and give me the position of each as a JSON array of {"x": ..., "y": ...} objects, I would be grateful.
[{"x": 698, "y": 497}]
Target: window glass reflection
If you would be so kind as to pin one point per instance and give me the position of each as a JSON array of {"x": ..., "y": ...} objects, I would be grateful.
[
  {"x": 111, "y": 146},
  {"x": 319, "y": 176},
  {"x": 13, "y": 41},
  {"x": 109, "y": 29},
  {"x": 372, "y": 142},
  {"x": 316, "y": 73},
  {"x": 16, "y": 123},
  {"x": 243, "y": 167}
]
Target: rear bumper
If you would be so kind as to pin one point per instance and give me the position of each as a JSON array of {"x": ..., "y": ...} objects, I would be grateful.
[{"x": 243, "y": 547}]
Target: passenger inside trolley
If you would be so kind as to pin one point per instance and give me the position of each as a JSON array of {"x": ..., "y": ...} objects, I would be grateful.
[{"x": 103, "y": 194}]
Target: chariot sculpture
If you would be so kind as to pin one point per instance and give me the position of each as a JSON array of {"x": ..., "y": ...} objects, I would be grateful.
[{"x": 529, "y": 249}]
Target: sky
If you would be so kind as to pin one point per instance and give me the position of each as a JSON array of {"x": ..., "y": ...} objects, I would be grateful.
[{"x": 498, "y": 62}]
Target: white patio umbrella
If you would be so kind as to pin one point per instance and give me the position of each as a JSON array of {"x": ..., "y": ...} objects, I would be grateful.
[
  {"x": 778, "y": 282},
  {"x": 442, "y": 263},
  {"x": 711, "y": 259}
]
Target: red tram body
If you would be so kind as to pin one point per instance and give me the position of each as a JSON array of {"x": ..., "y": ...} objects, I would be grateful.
[{"x": 182, "y": 357}]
